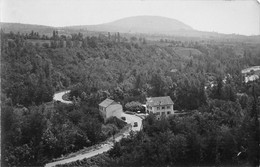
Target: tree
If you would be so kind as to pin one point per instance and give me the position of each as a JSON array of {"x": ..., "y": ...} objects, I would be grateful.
[
  {"x": 54, "y": 44},
  {"x": 92, "y": 42},
  {"x": 109, "y": 35},
  {"x": 116, "y": 151},
  {"x": 134, "y": 106},
  {"x": 68, "y": 43},
  {"x": 254, "y": 139},
  {"x": 61, "y": 43},
  {"x": 55, "y": 35},
  {"x": 229, "y": 93},
  {"x": 158, "y": 85},
  {"x": 85, "y": 43},
  {"x": 190, "y": 93},
  {"x": 118, "y": 37},
  {"x": 92, "y": 128},
  {"x": 133, "y": 38},
  {"x": 46, "y": 45}
]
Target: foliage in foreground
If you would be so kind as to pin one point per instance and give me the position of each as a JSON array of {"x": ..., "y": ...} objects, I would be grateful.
[
  {"x": 38, "y": 134},
  {"x": 212, "y": 135}
]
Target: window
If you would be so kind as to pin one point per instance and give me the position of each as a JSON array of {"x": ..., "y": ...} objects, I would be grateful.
[
  {"x": 163, "y": 113},
  {"x": 168, "y": 112},
  {"x": 158, "y": 108},
  {"x": 168, "y": 107},
  {"x": 163, "y": 108}
]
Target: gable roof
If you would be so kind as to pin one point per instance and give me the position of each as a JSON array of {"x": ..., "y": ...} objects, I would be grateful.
[
  {"x": 106, "y": 103},
  {"x": 156, "y": 101}
]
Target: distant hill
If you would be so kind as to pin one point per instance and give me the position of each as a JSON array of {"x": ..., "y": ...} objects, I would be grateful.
[
  {"x": 151, "y": 25},
  {"x": 140, "y": 24},
  {"x": 157, "y": 25},
  {"x": 26, "y": 28}
]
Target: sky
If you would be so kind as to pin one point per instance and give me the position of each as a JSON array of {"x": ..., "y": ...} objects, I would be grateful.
[{"x": 229, "y": 16}]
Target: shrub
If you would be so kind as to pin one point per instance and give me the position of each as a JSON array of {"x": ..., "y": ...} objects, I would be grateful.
[{"x": 134, "y": 106}]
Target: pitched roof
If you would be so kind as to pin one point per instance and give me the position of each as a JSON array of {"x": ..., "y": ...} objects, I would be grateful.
[
  {"x": 106, "y": 102},
  {"x": 156, "y": 101}
]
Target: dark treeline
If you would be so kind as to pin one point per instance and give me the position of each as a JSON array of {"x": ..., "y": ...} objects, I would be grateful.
[
  {"x": 62, "y": 40},
  {"x": 203, "y": 79}
]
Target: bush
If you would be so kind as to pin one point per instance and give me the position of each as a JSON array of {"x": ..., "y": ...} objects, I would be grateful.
[
  {"x": 134, "y": 106},
  {"x": 46, "y": 45},
  {"x": 118, "y": 122}
]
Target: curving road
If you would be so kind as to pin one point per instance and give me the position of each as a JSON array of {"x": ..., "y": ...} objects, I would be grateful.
[
  {"x": 130, "y": 119},
  {"x": 58, "y": 97}
]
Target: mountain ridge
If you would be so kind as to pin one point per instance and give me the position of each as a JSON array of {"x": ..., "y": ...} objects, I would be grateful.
[
  {"x": 143, "y": 24},
  {"x": 139, "y": 24}
]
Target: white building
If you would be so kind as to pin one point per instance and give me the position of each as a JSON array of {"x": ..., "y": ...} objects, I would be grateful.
[
  {"x": 251, "y": 78},
  {"x": 251, "y": 73},
  {"x": 110, "y": 108},
  {"x": 250, "y": 69},
  {"x": 161, "y": 106}
]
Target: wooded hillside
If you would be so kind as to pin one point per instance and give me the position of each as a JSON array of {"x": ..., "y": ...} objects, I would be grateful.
[{"x": 125, "y": 69}]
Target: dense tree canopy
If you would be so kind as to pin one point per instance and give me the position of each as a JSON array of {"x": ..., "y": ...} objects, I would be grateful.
[{"x": 213, "y": 134}]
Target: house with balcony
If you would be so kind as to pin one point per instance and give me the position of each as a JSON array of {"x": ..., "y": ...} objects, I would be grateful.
[
  {"x": 109, "y": 108},
  {"x": 160, "y": 106}
]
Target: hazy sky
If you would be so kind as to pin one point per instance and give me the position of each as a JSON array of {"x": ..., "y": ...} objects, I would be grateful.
[{"x": 240, "y": 16}]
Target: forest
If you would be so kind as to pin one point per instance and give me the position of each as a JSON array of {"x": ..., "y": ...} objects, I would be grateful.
[{"x": 202, "y": 77}]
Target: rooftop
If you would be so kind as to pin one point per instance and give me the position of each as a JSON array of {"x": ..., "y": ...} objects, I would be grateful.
[
  {"x": 106, "y": 102},
  {"x": 247, "y": 70},
  {"x": 156, "y": 101}
]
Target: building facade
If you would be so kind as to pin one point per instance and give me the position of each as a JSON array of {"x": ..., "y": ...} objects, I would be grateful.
[
  {"x": 161, "y": 106},
  {"x": 110, "y": 108}
]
